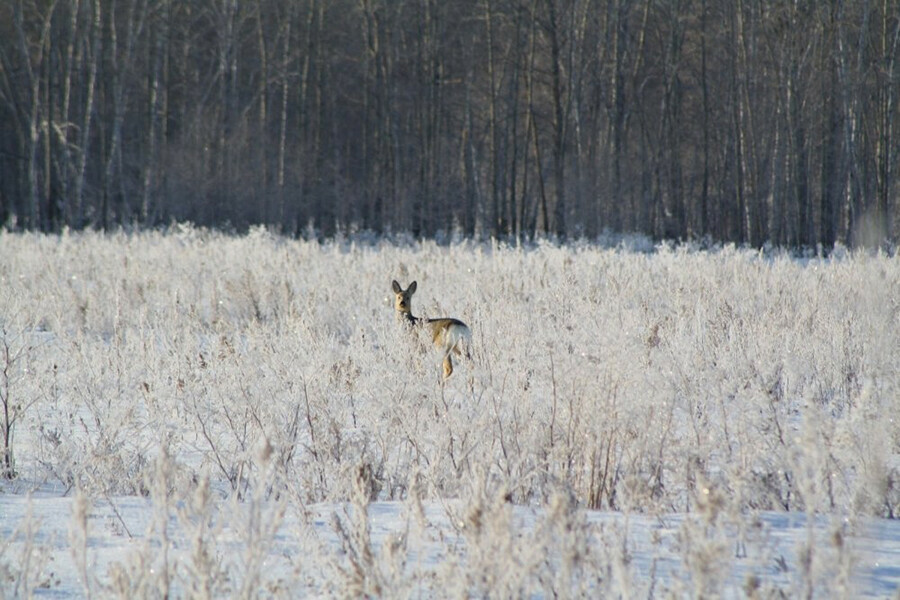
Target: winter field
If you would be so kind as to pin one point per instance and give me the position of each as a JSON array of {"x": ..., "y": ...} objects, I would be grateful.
[{"x": 195, "y": 415}]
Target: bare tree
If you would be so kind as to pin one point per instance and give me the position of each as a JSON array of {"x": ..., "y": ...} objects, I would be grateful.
[{"x": 728, "y": 120}]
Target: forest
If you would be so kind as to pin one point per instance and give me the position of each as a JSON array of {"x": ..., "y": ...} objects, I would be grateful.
[{"x": 748, "y": 121}]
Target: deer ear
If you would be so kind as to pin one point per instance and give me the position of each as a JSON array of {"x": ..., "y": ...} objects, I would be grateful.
[
  {"x": 412, "y": 288},
  {"x": 396, "y": 287}
]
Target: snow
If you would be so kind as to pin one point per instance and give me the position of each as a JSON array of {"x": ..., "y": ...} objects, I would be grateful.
[
  {"x": 200, "y": 415},
  {"x": 119, "y": 527}
]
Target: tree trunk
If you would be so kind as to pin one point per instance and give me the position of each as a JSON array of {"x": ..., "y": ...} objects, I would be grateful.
[{"x": 559, "y": 123}]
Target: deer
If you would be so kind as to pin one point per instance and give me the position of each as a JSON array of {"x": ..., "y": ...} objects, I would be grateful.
[{"x": 449, "y": 335}]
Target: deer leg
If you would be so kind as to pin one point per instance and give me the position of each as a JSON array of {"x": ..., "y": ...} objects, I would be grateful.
[{"x": 448, "y": 366}]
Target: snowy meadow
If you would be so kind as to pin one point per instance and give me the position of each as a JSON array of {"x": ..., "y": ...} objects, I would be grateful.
[{"x": 192, "y": 414}]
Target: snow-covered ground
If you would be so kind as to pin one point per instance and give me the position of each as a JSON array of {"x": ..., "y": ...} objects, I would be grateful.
[
  {"x": 636, "y": 555},
  {"x": 198, "y": 415}
]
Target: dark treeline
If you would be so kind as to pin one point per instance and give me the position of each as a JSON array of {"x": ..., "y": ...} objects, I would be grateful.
[{"x": 743, "y": 120}]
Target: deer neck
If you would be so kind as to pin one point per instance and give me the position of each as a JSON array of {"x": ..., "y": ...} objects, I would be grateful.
[{"x": 406, "y": 317}]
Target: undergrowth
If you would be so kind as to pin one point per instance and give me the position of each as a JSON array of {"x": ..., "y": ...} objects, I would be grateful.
[{"x": 259, "y": 376}]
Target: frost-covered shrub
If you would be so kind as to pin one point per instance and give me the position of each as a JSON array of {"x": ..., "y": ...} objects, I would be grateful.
[
  {"x": 621, "y": 376},
  {"x": 618, "y": 380}
]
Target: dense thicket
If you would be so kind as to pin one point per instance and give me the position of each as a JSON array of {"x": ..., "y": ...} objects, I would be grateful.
[{"x": 742, "y": 120}]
